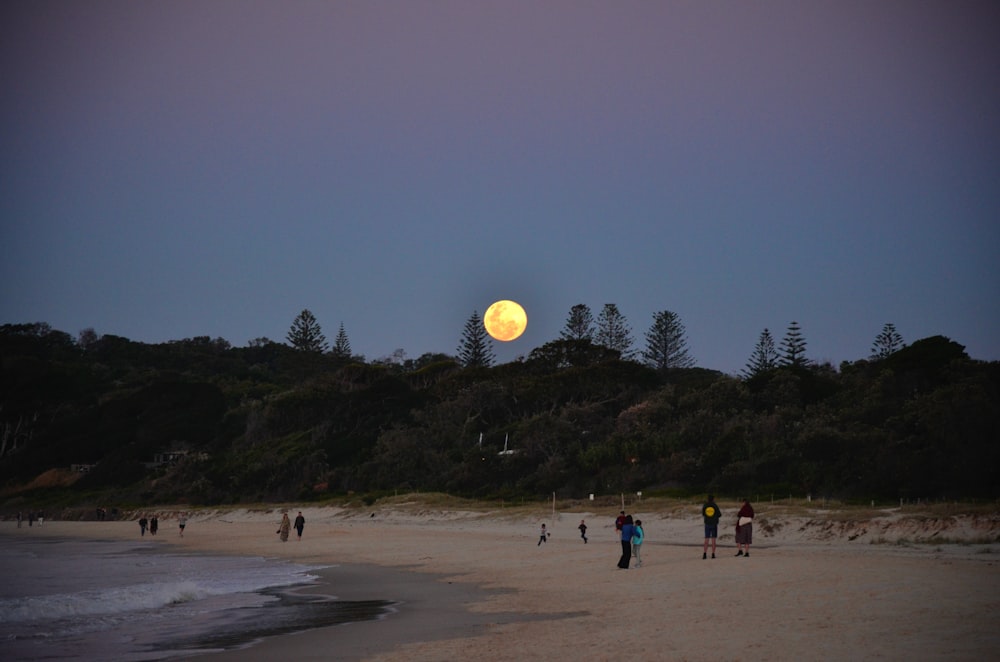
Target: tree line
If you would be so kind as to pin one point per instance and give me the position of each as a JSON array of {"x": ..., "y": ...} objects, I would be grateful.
[
  {"x": 582, "y": 414},
  {"x": 666, "y": 341}
]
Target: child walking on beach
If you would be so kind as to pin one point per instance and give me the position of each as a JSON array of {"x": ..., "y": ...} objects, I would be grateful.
[
  {"x": 583, "y": 530},
  {"x": 544, "y": 537},
  {"x": 638, "y": 535}
]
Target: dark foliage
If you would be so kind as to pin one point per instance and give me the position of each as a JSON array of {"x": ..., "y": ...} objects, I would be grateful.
[{"x": 199, "y": 421}]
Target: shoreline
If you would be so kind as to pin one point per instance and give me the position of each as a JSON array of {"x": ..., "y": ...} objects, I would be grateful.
[
  {"x": 477, "y": 585},
  {"x": 425, "y": 608}
]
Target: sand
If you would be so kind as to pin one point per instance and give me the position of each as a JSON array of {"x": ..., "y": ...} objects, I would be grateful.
[{"x": 475, "y": 585}]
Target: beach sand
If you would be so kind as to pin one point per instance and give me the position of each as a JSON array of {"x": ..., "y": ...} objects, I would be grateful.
[{"x": 475, "y": 585}]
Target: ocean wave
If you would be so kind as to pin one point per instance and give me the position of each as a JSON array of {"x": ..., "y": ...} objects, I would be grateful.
[
  {"x": 100, "y": 603},
  {"x": 138, "y": 597}
]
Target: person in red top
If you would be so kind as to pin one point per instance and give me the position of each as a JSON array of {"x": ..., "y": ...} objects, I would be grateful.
[
  {"x": 744, "y": 529},
  {"x": 619, "y": 522}
]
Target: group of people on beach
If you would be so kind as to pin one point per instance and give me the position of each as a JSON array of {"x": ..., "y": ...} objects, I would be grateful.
[
  {"x": 284, "y": 528},
  {"x": 711, "y": 513},
  {"x": 631, "y": 534},
  {"x": 153, "y": 523},
  {"x": 629, "y": 530},
  {"x": 32, "y": 516}
]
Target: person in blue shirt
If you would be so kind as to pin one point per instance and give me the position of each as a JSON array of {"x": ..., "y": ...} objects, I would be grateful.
[{"x": 628, "y": 528}]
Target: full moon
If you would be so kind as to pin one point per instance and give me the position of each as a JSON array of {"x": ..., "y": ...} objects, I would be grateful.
[{"x": 505, "y": 320}]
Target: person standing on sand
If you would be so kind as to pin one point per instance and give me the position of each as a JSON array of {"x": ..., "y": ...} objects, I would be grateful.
[
  {"x": 182, "y": 522},
  {"x": 142, "y": 525},
  {"x": 638, "y": 535},
  {"x": 154, "y": 524},
  {"x": 583, "y": 530},
  {"x": 300, "y": 523},
  {"x": 744, "y": 529},
  {"x": 626, "y": 535},
  {"x": 544, "y": 537},
  {"x": 711, "y": 514},
  {"x": 20, "y": 517},
  {"x": 284, "y": 527}
]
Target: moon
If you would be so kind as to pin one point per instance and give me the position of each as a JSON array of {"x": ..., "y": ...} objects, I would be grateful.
[{"x": 505, "y": 320}]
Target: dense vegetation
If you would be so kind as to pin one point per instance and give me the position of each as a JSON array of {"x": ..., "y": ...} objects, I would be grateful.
[{"x": 272, "y": 422}]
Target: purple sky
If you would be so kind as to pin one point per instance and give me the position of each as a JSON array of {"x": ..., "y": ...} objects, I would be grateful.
[{"x": 190, "y": 168}]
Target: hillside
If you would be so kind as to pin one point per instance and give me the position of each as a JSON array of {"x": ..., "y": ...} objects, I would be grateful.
[{"x": 199, "y": 422}]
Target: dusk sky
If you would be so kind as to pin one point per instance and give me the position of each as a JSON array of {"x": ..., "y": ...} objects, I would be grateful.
[{"x": 212, "y": 168}]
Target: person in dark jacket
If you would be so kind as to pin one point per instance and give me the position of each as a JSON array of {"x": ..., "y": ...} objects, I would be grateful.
[
  {"x": 300, "y": 523},
  {"x": 627, "y": 531},
  {"x": 710, "y": 513}
]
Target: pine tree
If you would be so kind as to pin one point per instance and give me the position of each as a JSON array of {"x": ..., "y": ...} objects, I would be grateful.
[
  {"x": 666, "y": 346},
  {"x": 613, "y": 331},
  {"x": 342, "y": 346},
  {"x": 306, "y": 334},
  {"x": 764, "y": 358},
  {"x": 87, "y": 338},
  {"x": 580, "y": 325},
  {"x": 886, "y": 343},
  {"x": 476, "y": 348},
  {"x": 793, "y": 347}
]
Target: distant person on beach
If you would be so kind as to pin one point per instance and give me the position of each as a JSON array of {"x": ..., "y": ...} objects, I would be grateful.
[
  {"x": 41, "y": 517},
  {"x": 544, "y": 537},
  {"x": 626, "y": 535},
  {"x": 744, "y": 529},
  {"x": 638, "y": 535},
  {"x": 154, "y": 524},
  {"x": 710, "y": 513},
  {"x": 300, "y": 523},
  {"x": 142, "y": 525},
  {"x": 583, "y": 530},
  {"x": 182, "y": 522},
  {"x": 284, "y": 527},
  {"x": 31, "y": 518},
  {"x": 19, "y": 518}
]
